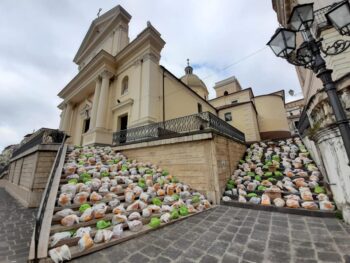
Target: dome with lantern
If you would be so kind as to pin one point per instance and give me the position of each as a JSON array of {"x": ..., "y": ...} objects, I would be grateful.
[{"x": 194, "y": 82}]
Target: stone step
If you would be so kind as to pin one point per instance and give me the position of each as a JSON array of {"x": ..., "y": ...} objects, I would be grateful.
[{"x": 271, "y": 208}]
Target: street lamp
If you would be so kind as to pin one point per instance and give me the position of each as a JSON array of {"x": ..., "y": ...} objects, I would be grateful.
[{"x": 308, "y": 54}]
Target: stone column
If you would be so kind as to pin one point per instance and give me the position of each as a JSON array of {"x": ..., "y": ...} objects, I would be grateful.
[
  {"x": 62, "y": 116},
  {"x": 95, "y": 104},
  {"x": 103, "y": 100},
  {"x": 68, "y": 117}
]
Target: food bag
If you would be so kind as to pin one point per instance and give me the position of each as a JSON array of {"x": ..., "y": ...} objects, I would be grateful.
[
  {"x": 59, "y": 254},
  {"x": 65, "y": 212},
  {"x": 85, "y": 242},
  {"x": 279, "y": 202},
  {"x": 118, "y": 210},
  {"x": 69, "y": 189},
  {"x": 309, "y": 205},
  {"x": 99, "y": 210},
  {"x": 64, "y": 200},
  {"x": 118, "y": 219},
  {"x": 155, "y": 222},
  {"x": 54, "y": 239},
  {"x": 69, "y": 220},
  {"x": 118, "y": 231},
  {"x": 134, "y": 216},
  {"x": 81, "y": 198},
  {"x": 327, "y": 206},
  {"x": 265, "y": 200},
  {"x": 146, "y": 212},
  {"x": 292, "y": 203},
  {"x": 95, "y": 197},
  {"x": 135, "y": 225},
  {"x": 87, "y": 215},
  {"x": 82, "y": 230},
  {"x": 165, "y": 218}
]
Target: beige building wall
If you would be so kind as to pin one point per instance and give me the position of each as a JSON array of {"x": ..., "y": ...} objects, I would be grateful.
[
  {"x": 244, "y": 118},
  {"x": 236, "y": 97},
  {"x": 227, "y": 86},
  {"x": 181, "y": 100},
  {"x": 272, "y": 118}
]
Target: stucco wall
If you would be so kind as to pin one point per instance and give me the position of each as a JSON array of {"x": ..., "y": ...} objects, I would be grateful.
[
  {"x": 180, "y": 101},
  {"x": 272, "y": 118},
  {"x": 242, "y": 96},
  {"x": 244, "y": 118},
  {"x": 204, "y": 161}
]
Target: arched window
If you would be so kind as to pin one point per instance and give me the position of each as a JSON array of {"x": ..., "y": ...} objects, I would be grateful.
[
  {"x": 226, "y": 93},
  {"x": 125, "y": 85}
]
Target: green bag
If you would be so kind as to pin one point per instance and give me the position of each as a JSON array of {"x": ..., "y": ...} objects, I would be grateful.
[
  {"x": 73, "y": 181},
  {"x": 83, "y": 207},
  {"x": 156, "y": 201},
  {"x": 155, "y": 222},
  {"x": 319, "y": 190},
  {"x": 174, "y": 214},
  {"x": 195, "y": 199},
  {"x": 176, "y": 197},
  {"x": 102, "y": 224},
  {"x": 183, "y": 211}
]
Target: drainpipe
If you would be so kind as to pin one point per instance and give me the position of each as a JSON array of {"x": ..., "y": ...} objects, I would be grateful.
[{"x": 163, "y": 101}]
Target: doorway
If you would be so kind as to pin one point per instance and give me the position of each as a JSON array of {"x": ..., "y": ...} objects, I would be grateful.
[
  {"x": 123, "y": 128},
  {"x": 86, "y": 125}
]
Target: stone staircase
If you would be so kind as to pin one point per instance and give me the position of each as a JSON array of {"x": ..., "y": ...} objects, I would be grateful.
[
  {"x": 279, "y": 176},
  {"x": 102, "y": 199}
]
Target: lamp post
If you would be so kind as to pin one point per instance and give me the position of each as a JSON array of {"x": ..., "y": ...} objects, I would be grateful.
[{"x": 308, "y": 54}]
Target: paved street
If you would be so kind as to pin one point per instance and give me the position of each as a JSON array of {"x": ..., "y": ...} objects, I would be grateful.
[
  {"x": 224, "y": 234},
  {"x": 228, "y": 234},
  {"x": 16, "y": 229}
]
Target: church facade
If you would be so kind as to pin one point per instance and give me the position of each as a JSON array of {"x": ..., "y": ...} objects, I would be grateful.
[{"x": 121, "y": 85}]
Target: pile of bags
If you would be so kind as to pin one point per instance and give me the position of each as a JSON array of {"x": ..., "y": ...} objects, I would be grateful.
[
  {"x": 120, "y": 194},
  {"x": 280, "y": 174}
]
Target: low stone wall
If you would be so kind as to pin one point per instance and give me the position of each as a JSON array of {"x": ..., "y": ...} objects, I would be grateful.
[
  {"x": 204, "y": 161},
  {"x": 28, "y": 174}
]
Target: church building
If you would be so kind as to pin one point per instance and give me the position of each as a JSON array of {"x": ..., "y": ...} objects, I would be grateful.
[{"x": 121, "y": 85}]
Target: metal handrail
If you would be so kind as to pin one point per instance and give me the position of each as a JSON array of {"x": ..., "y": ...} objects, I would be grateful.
[
  {"x": 191, "y": 124},
  {"x": 42, "y": 207}
]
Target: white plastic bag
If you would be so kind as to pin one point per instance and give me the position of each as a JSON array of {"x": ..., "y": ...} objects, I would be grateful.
[
  {"x": 59, "y": 254},
  {"x": 85, "y": 242},
  {"x": 82, "y": 230},
  {"x": 54, "y": 239},
  {"x": 135, "y": 225},
  {"x": 165, "y": 218},
  {"x": 118, "y": 231}
]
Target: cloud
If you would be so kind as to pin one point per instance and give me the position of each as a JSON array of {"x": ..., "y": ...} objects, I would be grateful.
[{"x": 40, "y": 38}]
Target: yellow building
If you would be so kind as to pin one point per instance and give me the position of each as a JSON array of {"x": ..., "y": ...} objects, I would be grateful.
[{"x": 121, "y": 85}]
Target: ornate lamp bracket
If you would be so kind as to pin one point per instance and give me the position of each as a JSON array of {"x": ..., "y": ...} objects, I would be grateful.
[{"x": 336, "y": 48}]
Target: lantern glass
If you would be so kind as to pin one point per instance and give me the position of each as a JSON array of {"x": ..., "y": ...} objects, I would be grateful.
[
  {"x": 304, "y": 54},
  {"x": 339, "y": 16},
  {"x": 302, "y": 17},
  {"x": 282, "y": 42}
]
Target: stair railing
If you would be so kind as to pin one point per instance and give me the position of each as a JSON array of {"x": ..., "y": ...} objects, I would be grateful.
[{"x": 42, "y": 207}]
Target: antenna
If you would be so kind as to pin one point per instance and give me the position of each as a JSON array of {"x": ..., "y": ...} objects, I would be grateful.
[{"x": 99, "y": 11}]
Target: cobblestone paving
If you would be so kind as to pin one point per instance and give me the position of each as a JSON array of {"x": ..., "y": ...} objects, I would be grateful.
[
  {"x": 16, "y": 228},
  {"x": 223, "y": 234},
  {"x": 228, "y": 234}
]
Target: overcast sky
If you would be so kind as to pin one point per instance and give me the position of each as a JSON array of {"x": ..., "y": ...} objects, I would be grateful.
[{"x": 40, "y": 38}]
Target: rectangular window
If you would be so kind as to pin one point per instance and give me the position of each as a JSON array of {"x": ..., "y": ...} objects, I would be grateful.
[
  {"x": 199, "y": 108},
  {"x": 228, "y": 116}
]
